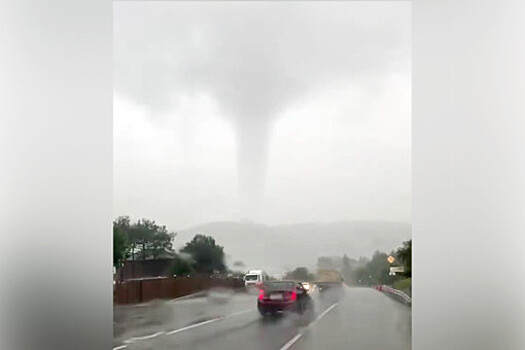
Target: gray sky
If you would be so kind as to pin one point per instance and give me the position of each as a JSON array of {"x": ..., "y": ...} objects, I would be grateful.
[{"x": 274, "y": 112}]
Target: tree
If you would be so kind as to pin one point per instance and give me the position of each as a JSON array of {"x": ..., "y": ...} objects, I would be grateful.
[
  {"x": 362, "y": 276},
  {"x": 300, "y": 274},
  {"x": 347, "y": 270},
  {"x": 379, "y": 268},
  {"x": 143, "y": 233},
  {"x": 121, "y": 247},
  {"x": 181, "y": 266},
  {"x": 208, "y": 257},
  {"x": 375, "y": 271},
  {"x": 161, "y": 242},
  {"x": 405, "y": 256},
  {"x": 145, "y": 238},
  {"x": 363, "y": 260}
]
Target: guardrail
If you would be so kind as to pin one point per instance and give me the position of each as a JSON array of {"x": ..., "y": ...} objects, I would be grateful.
[{"x": 395, "y": 292}]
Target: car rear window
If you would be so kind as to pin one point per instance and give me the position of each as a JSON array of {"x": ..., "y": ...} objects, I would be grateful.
[
  {"x": 251, "y": 278},
  {"x": 273, "y": 286}
]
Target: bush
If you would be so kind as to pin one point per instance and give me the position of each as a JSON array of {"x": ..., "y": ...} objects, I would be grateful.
[
  {"x": 181, "y": 267},
  {"x": 405, "y": 284}
]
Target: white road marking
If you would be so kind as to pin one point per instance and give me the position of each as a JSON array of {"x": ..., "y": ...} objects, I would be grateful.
[
  {"x": 323, "y": 314},
  {"x": 207, "y": 322},
  {"x": 120, "y": 347},
  {"x": 291, "y": 342},
  {"x": 194, "y": 325},
  {"x": 299, "y": 335},
  {"x": 239, "y": 313},
  {"x": 131, "y": 340}
]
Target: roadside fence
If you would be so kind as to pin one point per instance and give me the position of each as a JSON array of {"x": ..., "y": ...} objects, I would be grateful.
[{"x": 143, "y": 290}]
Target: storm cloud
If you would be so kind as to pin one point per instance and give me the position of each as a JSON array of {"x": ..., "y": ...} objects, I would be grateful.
[{"x": 255, "y": 60}]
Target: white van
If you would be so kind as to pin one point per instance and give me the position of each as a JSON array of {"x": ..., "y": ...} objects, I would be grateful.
[{"x": 255, "y": 277}]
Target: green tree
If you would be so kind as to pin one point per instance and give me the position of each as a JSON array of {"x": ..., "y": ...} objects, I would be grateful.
[
  {"x": 161, "y": 242},
  {"x": 375, "y": 271},
  {"x": 181, "y": 266},
  {"x": 379, "y": 268},
  {"x": 145, "y": 238},
  {"x": 121, "y": 247},
  {"x": 208, "y": 257},
  {"x": 143, "y": 234},
  {"x": 405, "y": 256},
  {"x": 362, "y": 276}
]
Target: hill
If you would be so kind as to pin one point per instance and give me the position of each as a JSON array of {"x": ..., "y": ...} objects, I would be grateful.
[{"x": 283, "y": 247}]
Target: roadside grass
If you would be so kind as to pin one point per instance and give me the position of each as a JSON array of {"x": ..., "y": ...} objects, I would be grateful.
[{"x": 405, "y": 284}]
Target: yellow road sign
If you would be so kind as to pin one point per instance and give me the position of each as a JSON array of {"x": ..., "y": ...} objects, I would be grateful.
[{"x": 391, "y": 259}]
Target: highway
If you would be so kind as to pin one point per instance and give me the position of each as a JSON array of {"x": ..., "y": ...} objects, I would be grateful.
[{"x": 364, "y": 319}]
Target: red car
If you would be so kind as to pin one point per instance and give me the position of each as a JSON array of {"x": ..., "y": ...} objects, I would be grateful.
[{"x": 280, "y": 296}]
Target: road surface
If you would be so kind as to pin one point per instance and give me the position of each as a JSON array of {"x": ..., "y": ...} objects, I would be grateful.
[{"x": 364, "y": 319}]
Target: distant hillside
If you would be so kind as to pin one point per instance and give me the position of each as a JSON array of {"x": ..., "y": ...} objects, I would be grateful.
[{"x": 283, "y": 247}]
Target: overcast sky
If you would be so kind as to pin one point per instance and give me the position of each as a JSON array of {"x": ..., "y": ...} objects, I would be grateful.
[{"x": 273, "y": 112}]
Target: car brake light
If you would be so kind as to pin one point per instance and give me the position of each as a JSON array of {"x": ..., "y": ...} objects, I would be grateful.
[
  {"x": 261, "y": 294},
  {"x": 293, "y": 296}
]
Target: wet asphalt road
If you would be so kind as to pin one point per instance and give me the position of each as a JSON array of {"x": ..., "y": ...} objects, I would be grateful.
[{"x": 363, "y": 319}]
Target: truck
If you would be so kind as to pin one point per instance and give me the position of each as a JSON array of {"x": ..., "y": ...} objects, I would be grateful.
[
  {"x": 255, "y": 278},
  {"x": 330, "y": 283},
  {"x": 329, "y": 276}
]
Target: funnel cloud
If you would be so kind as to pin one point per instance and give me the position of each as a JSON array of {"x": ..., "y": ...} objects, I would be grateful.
[{"x": 263, "y": 64}]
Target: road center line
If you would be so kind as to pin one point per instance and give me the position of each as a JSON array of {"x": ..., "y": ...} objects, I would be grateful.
[
  {"x": 131, "y": 340},
  {"x": 322, "y": 315},
  {"x": 291, "y": 342},
  {"x": 194, "y": 325},
  {"x": 120, "y": 347},
  {"x": 299, "y": 335}
]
